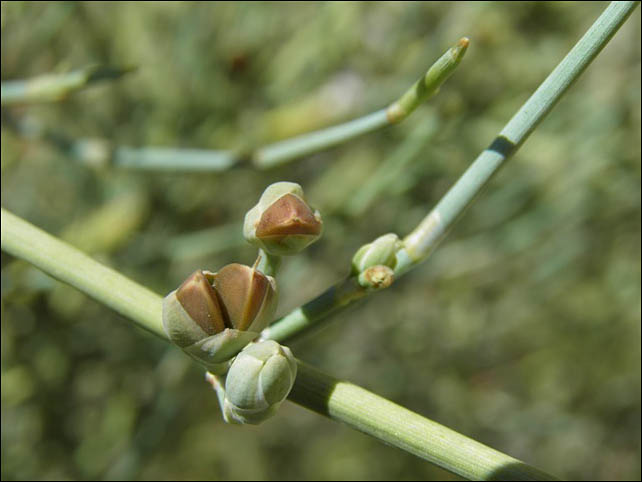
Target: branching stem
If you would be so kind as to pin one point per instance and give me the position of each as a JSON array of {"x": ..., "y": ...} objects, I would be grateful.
[
  {"x": 55, "y": 87},
  {"x": 265, "y": 157},
  {"x": 338, "y": 400},
  {"x": 424, "y": 238}
]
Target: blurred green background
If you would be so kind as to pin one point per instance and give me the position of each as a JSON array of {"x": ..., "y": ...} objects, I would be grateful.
[{"x": 521, "y": 331}]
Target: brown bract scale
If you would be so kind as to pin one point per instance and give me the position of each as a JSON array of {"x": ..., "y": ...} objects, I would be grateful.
[
  {"x": 282, "y": 223},
  {"x": 246, "y": 294},
  {"x": 287, "y": 216},
  {"x": 199, "y": 300},
  {"x": 212, "y": 316}
]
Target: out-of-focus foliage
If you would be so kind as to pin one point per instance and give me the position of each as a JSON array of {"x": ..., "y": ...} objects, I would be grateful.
[{"x": 521, "y": 331}]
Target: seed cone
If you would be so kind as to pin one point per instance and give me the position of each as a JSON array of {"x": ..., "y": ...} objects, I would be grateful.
[
  {"x": 282, "y": 223},
  {"x": 211, "y": 316}
]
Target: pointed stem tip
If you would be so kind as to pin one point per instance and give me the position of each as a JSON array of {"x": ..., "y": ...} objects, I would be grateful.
[
  {"x": 460, "y": 48},
  {"x": 429, "y": 84}
]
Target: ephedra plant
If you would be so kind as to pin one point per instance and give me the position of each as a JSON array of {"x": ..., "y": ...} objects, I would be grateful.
[{"x": 223, "y": 317}]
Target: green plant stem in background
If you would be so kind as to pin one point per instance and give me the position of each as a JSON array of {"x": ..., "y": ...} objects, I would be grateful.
[
  {"x": 172, "y": 159},
  {"x": 101, "y": 152},
  {"x": 289, "y": 149},
  {"x": 338, "y": 400},
  {"x": 97, "y": 152},
  {"x": 423, "y": 239},
  {"x": 427, "y": 86},
  {"x": 55, "y": 87}
]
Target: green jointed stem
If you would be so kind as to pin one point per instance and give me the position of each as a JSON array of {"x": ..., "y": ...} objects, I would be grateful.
[
  {"x": 309, "y": 315},
  {"x": 422, "y": 90},
  {"x": 220, "y": 160},
  {"x": 74, "y": 267},
  {"x": 398, "y": 426},
  {"x": 420, "y": 242},
  {"x": 431, "y": 230},
  {"x": 338, "y": 400},
  {"x": 429, "y": 84},
  {"x": 284, "y": 151},
  {"x": 55, "y": 87},
  {"x": 100, "y": 152},
  {"x": 166, "y": 158}
]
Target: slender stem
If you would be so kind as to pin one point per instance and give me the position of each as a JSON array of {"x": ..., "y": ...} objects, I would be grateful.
[
  {"x": 100, "y": 152},
  {"x": 432, "y": 229},
  {"x": 74, "y": 267},
  {"x": 309, "y": 316},
  {"x": 167, "y": 158},
  {"x": 429, "y": 84},
  {"x": 424, "y": 88},
  {"x": 338, "y": 400},
  {"x": 423, "y": 239},
  {"x": 284, "y": 151},
  {"x": 267, "y": 263},
  {"x": 55, "y": 87},
  {"x": 409, "y": 431}
]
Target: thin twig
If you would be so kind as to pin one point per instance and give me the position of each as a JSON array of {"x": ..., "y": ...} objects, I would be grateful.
[
  {"x": 56, "y": 87},
  {"x": 101, "y": 152},
  {"x": 423, "y": 89}
]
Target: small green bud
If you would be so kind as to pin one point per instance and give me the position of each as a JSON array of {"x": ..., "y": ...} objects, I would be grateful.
[
  {"x": 382, "y": 251},
  {"x": 282, "y": 223},
  {"x": 212, "y": 316},
  {"x": 258, "y": 381}
]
